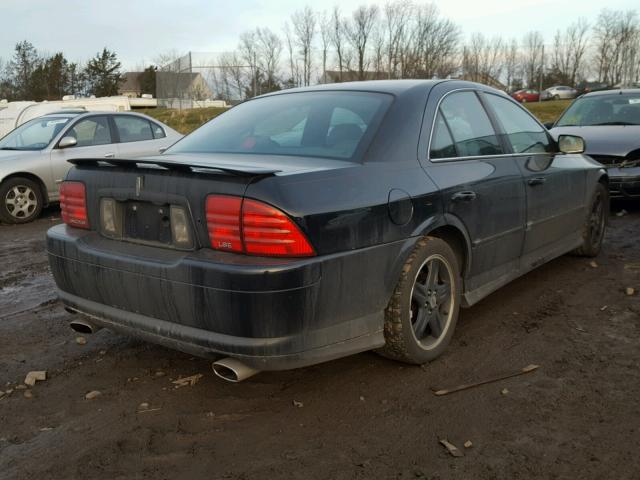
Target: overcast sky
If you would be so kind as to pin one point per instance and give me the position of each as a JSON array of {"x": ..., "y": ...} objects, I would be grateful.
[{"x": 140, "y": 29}]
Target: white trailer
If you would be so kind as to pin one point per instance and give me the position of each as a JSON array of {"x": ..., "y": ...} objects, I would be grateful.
[{"x": 14, "y": 114}]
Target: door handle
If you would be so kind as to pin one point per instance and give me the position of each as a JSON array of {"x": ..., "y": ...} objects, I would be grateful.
[
  {"x": 536, "y": 181},
  {"x": 109, "y": 155},
  {"x": 465, "y": 196}
]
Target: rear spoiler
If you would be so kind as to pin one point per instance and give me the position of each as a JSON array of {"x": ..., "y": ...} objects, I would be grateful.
[{"x": 248, "y": 171}]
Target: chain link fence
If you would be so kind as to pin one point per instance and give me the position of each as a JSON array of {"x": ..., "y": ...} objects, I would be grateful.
[{"x": 201, "y": 79}]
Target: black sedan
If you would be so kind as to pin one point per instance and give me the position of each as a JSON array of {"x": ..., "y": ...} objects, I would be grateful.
[
  {"x": 311, "y": 224},
  {"x": 609, "y": 122}
]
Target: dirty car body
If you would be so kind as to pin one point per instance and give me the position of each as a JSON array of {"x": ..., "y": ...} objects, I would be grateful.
[
  {"x": 609, "y": 122},
  {"x": 363, "y": 172}
]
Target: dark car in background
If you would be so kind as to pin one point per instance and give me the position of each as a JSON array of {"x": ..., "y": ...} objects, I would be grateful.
[
  {"x": 314, "y": 223},
  {"x": 526, "y": 95},
  {"x": 588, "y": 87},
  {"x": 609, "y": 122}
]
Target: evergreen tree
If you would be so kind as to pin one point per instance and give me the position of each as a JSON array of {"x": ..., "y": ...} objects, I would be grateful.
[{"x": 103, "y": 74}]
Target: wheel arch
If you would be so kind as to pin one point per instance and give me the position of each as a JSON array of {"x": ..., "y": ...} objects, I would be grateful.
[
  {"x": 455, "y": 234},
  {"x": 33, "y": 177}
]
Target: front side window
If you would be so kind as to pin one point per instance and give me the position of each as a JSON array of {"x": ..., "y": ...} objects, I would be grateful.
[
  {"x": 602, "y": 110},
  {"x": 470, "y": 125},
  {"x": 35, "y": 134},
  {"x": 524, "y": 133},
  {"x": 335, "y": 125},
  {"x": 133, "y": 129},
  {"x": 91, "y": 132}
]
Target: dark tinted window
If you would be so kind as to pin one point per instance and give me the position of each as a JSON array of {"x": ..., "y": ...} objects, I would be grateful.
[
  {"x": 317, "y": 124},
  {"x": 133, "y": 129},
  {"x": 470, "y": 126},
  {"x": 91, "y": 131},
  {"x": 441, "y": 142},
  {"x": 524, "y": 133}
]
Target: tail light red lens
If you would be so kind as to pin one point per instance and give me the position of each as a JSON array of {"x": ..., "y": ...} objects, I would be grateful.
[
  {"x": 253, "y": 227},
  {"x": 73, "y": 204}
]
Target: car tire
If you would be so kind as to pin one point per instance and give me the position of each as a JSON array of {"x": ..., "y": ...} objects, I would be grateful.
[
  {"x": 556, "y": 97},
  {"x": 419, "y": 323},
  {"x": 595, "y": 223},
  {"x": 20, "y": 200}
]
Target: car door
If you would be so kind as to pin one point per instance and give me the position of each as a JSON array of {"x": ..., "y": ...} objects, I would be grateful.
[
  {"x": 94, "y": 139},
  {"x": 138, "y": 136},
  {"x": 481, "y": 188},
  {"x": 555, "y": 183}
]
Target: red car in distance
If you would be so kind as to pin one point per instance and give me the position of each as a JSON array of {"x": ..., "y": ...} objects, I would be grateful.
[{"x": 528, "y": 95}]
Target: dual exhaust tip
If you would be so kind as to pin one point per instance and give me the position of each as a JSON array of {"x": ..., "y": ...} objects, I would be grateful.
[{"x": 229, "y": 369}]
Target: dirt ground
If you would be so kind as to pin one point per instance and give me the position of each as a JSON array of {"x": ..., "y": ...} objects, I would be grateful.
[{"x": 577, "y": 417}]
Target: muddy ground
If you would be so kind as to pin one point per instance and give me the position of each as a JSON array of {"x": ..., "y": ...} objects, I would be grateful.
[{"x": 577, "y": 417}]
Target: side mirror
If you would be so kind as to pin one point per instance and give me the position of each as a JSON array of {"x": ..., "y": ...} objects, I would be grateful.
[
  {"x": 571, "y": 144},
  {"x": 67, "y": 142},
  {"x": 163, "y": 149},
  {"x": 548, "y": 125}
]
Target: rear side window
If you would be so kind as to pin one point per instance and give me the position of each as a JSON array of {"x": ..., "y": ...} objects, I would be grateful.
[
  {"x": 470, "y": 125},
  {"x": 441, "y": 143},
  {"x": 133, "y": 129},
  {"x": 524, "y": 133},
  {"x": 336, "y": 125},
  {"x": 158, "y": 131},
  {"x": 91, "y": 131}
]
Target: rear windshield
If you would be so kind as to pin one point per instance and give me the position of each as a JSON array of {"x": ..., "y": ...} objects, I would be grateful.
[
  {"x": 611, "y": 109},
  {"x": 337, "y": 125}
]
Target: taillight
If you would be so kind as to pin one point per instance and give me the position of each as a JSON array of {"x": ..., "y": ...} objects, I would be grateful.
[
  {"x": 73, "y": 204},
  {"x": 252, "y": 227}
]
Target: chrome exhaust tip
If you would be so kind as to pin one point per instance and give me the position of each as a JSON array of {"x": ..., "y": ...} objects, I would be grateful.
[
  {"x": 232, "y": 370},
  {"x": 84, "y": 326}
]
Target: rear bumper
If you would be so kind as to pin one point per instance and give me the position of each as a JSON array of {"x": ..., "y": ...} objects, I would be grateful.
[
  {"x": 624, "y": 182},
  {"x": 273, "y": 315}
]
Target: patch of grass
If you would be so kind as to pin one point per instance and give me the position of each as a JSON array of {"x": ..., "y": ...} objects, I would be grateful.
[
  {"x": 184, "y": 121},
  {"x": 548, "y": 111}
]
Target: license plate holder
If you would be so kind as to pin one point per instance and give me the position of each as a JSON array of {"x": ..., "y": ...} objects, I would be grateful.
[{"x": 147, "y": 222}]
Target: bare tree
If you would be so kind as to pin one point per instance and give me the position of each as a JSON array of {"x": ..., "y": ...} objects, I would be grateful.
[
  {"x": 269, "y": 51},
  {"x": 617, "y": 38},
  {"x": 325, "y": 26},
  {"x": 294, "y": 73},
  {"x": 358, "y": 32},
  {"x": 338, "y": 39},
  {"x": 569, "y": 50},
  {"x": 304, "y": 28},
  {"x": 533, "y": 57},
  {"x": 397, "y": 17},
  {"x": 432, "y": 46},
  {"x": 233, "y": 74},
  {"x": 483, "y": 59},
  {"x": 249, "y": 51},
  {"x": 512, "y": 64}
]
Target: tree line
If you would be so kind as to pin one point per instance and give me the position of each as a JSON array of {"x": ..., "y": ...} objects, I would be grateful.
[
  {"x": 403, "y": 39},
  {"x": 31, "y": 75}
]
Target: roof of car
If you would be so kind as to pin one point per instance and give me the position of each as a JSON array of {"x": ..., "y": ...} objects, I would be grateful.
[
  {"x": 618, "y": 91},
  {"x": 383, "y": 86}
]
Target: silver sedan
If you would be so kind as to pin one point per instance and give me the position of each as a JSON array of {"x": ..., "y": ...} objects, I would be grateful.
[
  {"x": 34, "y": 157},
  {"x": 559, "y": 92}
]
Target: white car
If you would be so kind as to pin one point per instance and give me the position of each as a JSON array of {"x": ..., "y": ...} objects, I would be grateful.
[{"x": 34, "y": 157}]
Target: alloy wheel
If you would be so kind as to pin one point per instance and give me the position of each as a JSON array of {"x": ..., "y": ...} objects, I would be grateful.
[
  {"x": 432, "y": 298},
  {"x": 21, "y": 201}
]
